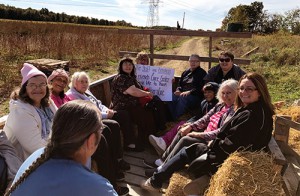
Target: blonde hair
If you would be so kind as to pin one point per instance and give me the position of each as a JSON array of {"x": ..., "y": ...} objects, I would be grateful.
[{"x": 76, "y": 76}]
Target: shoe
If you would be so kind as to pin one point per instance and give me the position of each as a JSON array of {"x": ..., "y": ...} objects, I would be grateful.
[
  {"x": 120, "y": 176},
  {"x": 122, "y": 191},
  {"x": 149, "y": 164},
  {"x": 123, "y": 165},
  {"x": 150, "y": 172},
  {"x": 146, "y": 184},
  {"x": 197, "y": 186},
  {"x": 158, "y": 143}
]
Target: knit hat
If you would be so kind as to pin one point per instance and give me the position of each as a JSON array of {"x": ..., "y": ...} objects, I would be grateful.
[
  {"x": 211, "y": 86},
  {"x": 56, "y": 73},
  {"x": 28, "y": 71}
]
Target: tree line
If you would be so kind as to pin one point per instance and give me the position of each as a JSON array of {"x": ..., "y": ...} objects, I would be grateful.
[
  {"x": 10, "y": 12},
  {"x": 255, "y": 19}
]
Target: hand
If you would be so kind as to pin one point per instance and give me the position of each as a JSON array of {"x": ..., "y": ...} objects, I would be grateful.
[
  {"x": 150, "y": 94},
  {"x": 196, "y": 134},
  {"x": 110, "y": 113},
  {"x": 177, "y": 93},
  {"x": 185, "y": 130},
  {"x": 186, "y": 93},
  {"x": 183, "y": 125}
]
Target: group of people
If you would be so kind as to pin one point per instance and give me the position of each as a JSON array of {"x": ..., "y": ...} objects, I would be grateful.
[
  {"x": 241, "y": 119},
  {"x": 60, "y": 135}
]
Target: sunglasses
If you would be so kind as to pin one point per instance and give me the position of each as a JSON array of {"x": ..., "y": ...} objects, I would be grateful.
[{"x": 224, "y": 60}]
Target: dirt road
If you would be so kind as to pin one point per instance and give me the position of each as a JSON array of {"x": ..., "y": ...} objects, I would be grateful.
[{"x": 192, "y": 46}]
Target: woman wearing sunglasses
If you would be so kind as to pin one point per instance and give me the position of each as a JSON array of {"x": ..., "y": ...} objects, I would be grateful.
[{"x": 224, "y": 70}]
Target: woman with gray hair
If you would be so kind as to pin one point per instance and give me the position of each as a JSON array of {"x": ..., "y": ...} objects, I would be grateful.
[
  {"x": 188, "y": 93},
  {"x": 207, "y": 127}
]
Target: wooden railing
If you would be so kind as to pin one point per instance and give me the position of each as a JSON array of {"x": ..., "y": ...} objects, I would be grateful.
[
  {"x": 210, "y": 35},
  {"x": 285, "y": 155}
]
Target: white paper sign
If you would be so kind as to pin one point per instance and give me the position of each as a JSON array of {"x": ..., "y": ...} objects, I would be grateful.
[{"x": 157, "y": 79}]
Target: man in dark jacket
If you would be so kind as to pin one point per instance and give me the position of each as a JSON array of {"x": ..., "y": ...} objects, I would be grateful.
[
  {"x": 224, "y": 70},
  {"x": 189, "y": 91}
]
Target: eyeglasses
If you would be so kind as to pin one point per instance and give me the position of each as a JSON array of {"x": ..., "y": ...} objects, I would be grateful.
[
  {"x": 247, "y": 89},
  {"x": 224, "y": 60},
  {"x": 35, "y": 86}
]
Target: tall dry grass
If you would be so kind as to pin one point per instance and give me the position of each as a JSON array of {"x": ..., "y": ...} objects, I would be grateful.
[{"x": 86, "y": 47}]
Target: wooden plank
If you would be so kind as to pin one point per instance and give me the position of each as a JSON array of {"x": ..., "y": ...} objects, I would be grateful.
[
  {"x": 186, "y": 33},
  {"x": 276, "y": 152},
  {"x": 210, "y": 51},
  {"x": 291, "y": 181},
  {"x": 251, "y": 51},
  {"x": 151, "y": 49},
  {"x": 107, "y": 93},
  {"x": 135, "y": 190},
  {"x": 98, "y": 82},
  {"x": 282, "y": 120},
  {"x": 282, "y": 129},
  {"x": 186, "y": 58}
]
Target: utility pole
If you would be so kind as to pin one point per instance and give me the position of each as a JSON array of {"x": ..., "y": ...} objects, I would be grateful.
[
  {"x": 153, "y": 14},
  {"x": 183, "y": 19}
]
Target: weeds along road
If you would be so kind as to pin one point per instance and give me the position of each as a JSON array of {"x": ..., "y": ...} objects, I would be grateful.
[{"x": 194, "y": 45}]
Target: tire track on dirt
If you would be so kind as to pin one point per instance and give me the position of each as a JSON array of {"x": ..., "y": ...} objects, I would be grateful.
[{"x": 194, "y": 45}]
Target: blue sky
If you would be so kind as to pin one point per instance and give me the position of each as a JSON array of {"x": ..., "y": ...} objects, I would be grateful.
[{"x": 199, "y": 14}]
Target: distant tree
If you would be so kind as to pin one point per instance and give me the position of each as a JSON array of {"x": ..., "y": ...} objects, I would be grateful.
[
  {"x": 10, "y": 12},
  {"x": 249, "y": 15},
  {"x": 292, "y": 21}
]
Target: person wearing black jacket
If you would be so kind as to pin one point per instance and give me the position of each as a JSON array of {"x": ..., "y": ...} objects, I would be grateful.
[
  {"x": 189, "y": 91},
  {"x": 250, "y": 128}
]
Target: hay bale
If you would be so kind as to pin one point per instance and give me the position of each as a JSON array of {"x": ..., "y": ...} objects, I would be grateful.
[
  {"x": 177, "y": 182},
  {"x": 247, "y": 173}
]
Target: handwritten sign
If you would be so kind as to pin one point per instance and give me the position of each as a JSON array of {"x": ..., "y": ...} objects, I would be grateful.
[{"x": 157, "y": 79}]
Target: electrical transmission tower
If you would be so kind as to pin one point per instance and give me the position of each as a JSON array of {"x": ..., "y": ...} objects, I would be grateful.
[{"x": 153, "y": 16}]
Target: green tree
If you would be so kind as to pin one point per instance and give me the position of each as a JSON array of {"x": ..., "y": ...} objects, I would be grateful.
[{"x": 249, "y": 15}]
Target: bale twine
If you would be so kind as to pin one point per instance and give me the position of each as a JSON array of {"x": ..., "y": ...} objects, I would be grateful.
[
  {"x": 246, "y": 173},
  {"x": 177, "y": 182}
]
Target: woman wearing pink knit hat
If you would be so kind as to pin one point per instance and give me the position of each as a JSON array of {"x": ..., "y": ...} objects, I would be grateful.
[
  {"x": 58, "y": 81},
  {"x": 31, "y": 113}
]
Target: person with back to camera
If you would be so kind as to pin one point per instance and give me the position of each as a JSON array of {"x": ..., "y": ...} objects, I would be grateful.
[
  {"x": 58, "y": 81},
  {"x": 250, "y": 128},
  {"x": 60, "y": 169},
  {"x": 224, "y": 70},
  {"x": 31, "y": 112},
  {"x": 189, "y": 93},
  {"x": 126, "y": 91}
]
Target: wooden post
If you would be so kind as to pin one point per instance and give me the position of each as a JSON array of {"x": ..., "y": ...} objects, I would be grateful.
[
  {"x": 282, "y": 130},
  {"x": 107, "y": 93},
  {"x": 151, "y": 48},
  {"x": 210, "y": 51}
]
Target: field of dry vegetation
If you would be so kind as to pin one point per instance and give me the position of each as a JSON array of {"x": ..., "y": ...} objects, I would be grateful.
[{"x": 86, "y": 47}]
